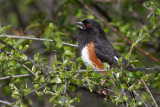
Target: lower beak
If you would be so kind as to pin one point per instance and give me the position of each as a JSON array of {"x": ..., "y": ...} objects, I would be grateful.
[{"x": 79, "y": 25}]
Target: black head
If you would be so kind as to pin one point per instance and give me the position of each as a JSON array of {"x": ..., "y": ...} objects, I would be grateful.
[
  {"x": 89, "y": 24},
  {"x": 89, "y": 31}
]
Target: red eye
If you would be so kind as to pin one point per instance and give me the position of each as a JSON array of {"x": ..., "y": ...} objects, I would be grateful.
[{"x": 89, "y": 25}]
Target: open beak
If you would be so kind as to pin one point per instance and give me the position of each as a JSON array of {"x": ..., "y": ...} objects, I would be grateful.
[{"x": 79, "y": 25}]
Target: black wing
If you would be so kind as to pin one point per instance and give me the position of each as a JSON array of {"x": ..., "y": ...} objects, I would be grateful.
[{"x": 106, "y": 52}]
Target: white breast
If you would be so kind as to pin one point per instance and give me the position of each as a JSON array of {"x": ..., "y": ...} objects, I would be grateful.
[{"x": 85, "y": 58}]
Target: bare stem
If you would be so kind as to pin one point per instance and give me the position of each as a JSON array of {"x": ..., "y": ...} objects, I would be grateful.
[
  {"x": 7, "y": 103},
  {"x": 16, "y": 76},
  {"x": 37, "y": 39},
  {"x": 137, "y": 94},
  {"x": 149, "y": 92}
]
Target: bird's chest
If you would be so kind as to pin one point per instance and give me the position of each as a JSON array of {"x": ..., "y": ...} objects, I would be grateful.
[{"x": 89, "y": 57}]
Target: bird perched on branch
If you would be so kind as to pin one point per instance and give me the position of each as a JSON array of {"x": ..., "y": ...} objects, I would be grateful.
[{"x": 95, "y": 48}]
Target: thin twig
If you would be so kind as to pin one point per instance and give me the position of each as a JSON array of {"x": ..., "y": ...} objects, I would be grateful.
[
  {"x": 16, "y": 76},
  {"x": 149, "y": 92},
  {"x": 64, "y": 91},
  {"x": 29, "y": 59},
  {"x": 23, "y": 65},
  {"x": 38, "y": 39},
  {"x": 124, "y": 93},
  {"x": 36, "y": 90},
  {"x": 7, "y": 103},
  {"x": 137, "y": 94},
  {"x": 18, "y": 61},
  {"x": 135, "y": 69}
]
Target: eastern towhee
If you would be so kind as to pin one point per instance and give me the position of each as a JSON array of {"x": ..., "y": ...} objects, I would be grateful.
[{"x": 96, "y": 49}]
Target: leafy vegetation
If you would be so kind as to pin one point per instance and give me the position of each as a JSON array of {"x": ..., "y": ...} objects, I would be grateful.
[{"x": 40, "y": 65}]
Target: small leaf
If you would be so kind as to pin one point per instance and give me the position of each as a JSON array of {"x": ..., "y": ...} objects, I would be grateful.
[
  {"x": 124, "y": 86},
  {"x": 24, "y": 57},
  {"x": 27, "y": 91},
  {"x": 125, "y": 97},
  {"x": 153, "y": 22},
  {"x": 158, "y": 11},
  {"x": 36, "y": 86},
  {"x": 16, "y": 92},
  {"x": 25, "y": 47},
  {"x": 56, "y": 80},
  {"x": 33, "y": 68},
  {"x": 127, "y": 56},
  {"x": 54, "y": 88},
  {"x": 20, "y": 47}
]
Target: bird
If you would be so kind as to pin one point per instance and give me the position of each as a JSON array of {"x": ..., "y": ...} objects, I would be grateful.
[{"x": 96, "y": 49}]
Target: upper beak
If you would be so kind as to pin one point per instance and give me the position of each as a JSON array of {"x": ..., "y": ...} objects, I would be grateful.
[{"x": 79, "y": 25}]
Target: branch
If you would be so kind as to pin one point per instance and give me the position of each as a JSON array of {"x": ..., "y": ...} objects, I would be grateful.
[
  {"x": 137, "y": 94},
  {"x": 101, "y": 18},
  {"x": 38, "y": 39},
  {"x": 135, "y": 69},
  {"x": 101, "y": 95},
  {"x": 124, "y": 93},
  {"x": 15, "y": 76},
  {"x": 81, "y": 71},
  {"x": 149, "y": 92},
  {"x": 7, "y": 103},
  {"x": 64, "y": 91},
  {"x": 29, "y": 59}
]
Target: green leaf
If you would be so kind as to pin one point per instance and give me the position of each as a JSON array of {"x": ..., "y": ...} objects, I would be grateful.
[
  {"x": 153, "y": 22},
  {"x": 58, "y": 42},
  {"x": 158, "y": 11},
  {"x": 24, "y": 57},
  {"x": 125, "y": 98},
  {"x": 54, "y": 88},
  {"x": 124, "y": 86},
  {"x": 27, "y": 91},
  {"x": 4, "y": 29},
  {"x": 56, "y": 80},
  {"x": 52, "y": 98},
  {"x": 42, "y": 79},
  {"x": 20, "y": 47},
  {"x": 37, "y": 74},
  {"x": 132, "y": 87},
  {"x": 25, "y": 47},
  {"x": 33, "y": 68},
  {"x": 36, "y": 86},
  {"x": 16, "y": 92},
  {"x": 127, "y": 56},
  {"x": 15, "y": 96},
  {"x": 89, "y": 68}
]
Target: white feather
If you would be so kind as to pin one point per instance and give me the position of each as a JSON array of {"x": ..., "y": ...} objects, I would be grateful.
[
  {"x": 85, "y": 58},
  {"x": 116, "y": 58}
]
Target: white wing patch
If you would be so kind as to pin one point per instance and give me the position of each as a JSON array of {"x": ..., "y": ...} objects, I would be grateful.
[{"x": 116, "y": 58}]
